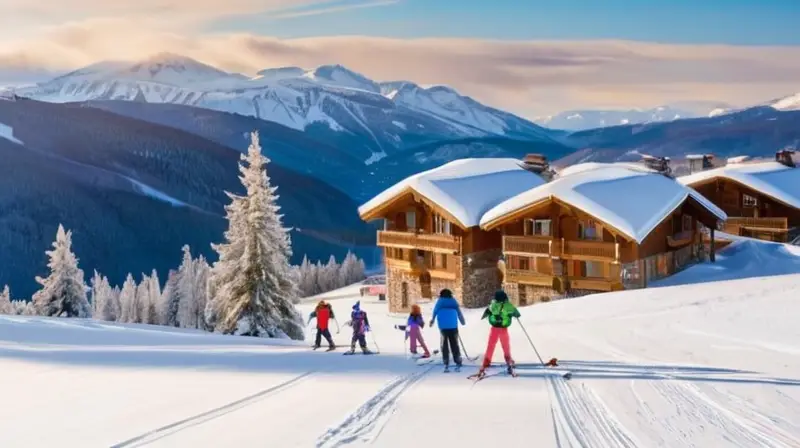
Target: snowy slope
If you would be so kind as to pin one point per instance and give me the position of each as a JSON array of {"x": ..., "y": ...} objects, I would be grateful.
[
  {"x": 708, "y": 364},
  {"x": 382, "y": 117}
]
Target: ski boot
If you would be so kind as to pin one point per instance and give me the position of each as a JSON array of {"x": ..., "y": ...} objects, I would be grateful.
[{"x": 331, "y": 348}]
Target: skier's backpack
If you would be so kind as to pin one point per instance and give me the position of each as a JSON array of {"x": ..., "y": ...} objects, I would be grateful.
[{"x": 500, "y": 314}]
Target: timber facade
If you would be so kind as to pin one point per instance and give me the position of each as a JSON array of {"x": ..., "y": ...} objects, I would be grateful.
[
  {"x": 552, "y": 249},
  {"x": 425, "y": 252},
  {"x": 752, "y": 213}
]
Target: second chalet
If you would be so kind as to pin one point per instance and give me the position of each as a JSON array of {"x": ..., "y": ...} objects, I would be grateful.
[
  {"x": 431, "y": 238},
  {"x": 599, "y": 227},
  {"x": 762, "y": 198}
]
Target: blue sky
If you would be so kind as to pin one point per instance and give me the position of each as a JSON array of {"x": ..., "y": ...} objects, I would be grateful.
[{"x": 739, "y": 22}]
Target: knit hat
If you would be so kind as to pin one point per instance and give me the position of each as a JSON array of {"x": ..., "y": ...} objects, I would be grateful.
[
  {"x": 500, "y": 296},
  {"x": 357, "y": 306},
  {"x": 446, "y": 293}
]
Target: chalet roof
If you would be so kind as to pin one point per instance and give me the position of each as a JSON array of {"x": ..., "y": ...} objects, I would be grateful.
[
  {"x": 464, "y": 188},
  {"x": 770, "y": 178},
  {"x": 631, "y": 198}
]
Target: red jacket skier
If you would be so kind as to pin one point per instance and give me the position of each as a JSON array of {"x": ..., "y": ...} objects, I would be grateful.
[{"x": 323, "y": 313}]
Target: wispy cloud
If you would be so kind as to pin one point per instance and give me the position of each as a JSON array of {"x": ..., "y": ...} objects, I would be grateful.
[
  {"x": 526, "y": 77},
  {"x": 320, "y": 10}
]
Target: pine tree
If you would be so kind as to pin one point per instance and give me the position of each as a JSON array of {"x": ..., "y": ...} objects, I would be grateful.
[
  {"x": 111, "y": 306},
  {"x": 23, "y": 308},
  {"x": 64, "y": 290},
  {"x": 187, "y": 302},
  {"x": 5, "y": 301},
  {"x": 254, "y": 289},
  {"x": 202, "y": 272},
  {"x": 127, "y": 301},
  {"x": 150, "y": 307},
  {"x": 170, "y": 300}
]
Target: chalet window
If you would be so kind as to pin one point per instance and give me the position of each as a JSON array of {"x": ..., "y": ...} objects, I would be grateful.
[
  {"x": 593, "y": 269},
  {"x": 441, "y": 225},
  {"x": 524, "y": 263},
  {"x": 587, "y": 230},
  {"x": 539, "y": 227},
  {"x": 687, "y": 223},
  {"x": 443, "y": 261},
  {"x": 411, "y": 219},
  {"x": 749, "y": 201}
]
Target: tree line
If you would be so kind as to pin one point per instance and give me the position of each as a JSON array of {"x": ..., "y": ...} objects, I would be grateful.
[{"x": 251, "y": 289}]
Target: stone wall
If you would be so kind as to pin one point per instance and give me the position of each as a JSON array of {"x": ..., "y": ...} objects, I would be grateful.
[
  {"x": 480, "y": 279},
  {"x": 438, "y": 284},
  {"x": 394, "y": 290},
  {"x": 533, "y": 294}
]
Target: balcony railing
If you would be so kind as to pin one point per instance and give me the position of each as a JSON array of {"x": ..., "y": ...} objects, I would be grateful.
[
  {"x": 528, "y": 277},
  {"x": 545, "y": 245},
  {"x": 429, "y": 242},
  {"x": 766, "y": 223},
  {"x": 590, "y": 250},
  {"x": 527, "y": 245}
]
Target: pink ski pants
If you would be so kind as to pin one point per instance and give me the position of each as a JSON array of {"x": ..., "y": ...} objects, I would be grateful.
[
  {"x": 415, "y": 334},
  {"x": 498, "y": 334}
]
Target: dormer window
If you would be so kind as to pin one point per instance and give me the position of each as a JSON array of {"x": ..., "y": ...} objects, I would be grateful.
[
  {"x": 749, "y": 201},
  {"x": 441, "y": 225}
]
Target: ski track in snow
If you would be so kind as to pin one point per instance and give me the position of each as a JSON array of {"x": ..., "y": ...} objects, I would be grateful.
[
  {"x": 367, "y": 421},
  {"x": 740, "y": 422},
  {"x": 175, "y": 427},
  {"x": 580, "y": 418}
]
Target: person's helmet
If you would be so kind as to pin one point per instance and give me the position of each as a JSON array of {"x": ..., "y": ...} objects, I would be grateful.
[
  {"x": 446, "y": 293},
  {"x": 500, "y": 296}
]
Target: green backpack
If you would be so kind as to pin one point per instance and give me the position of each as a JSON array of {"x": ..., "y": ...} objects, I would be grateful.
[{"x": 500, "y": 314}]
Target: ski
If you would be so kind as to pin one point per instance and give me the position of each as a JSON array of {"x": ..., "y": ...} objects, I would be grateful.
[{"x": 363, "y": 353}]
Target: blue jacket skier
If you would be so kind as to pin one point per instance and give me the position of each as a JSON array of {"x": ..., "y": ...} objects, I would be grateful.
[{"x": 449, "y": 313}]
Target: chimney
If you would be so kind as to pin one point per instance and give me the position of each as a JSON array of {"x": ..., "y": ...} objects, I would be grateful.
[
  {"x": 538, "y": 164},
  {"x": 784, "y": 156},
  {"x": 700, "y": 162},
  {"x": 660, "y": 164}
]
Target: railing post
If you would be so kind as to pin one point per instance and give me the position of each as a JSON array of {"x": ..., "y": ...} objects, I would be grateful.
[
  {"x": 550, "y": 248},
  {"x": 562, "y": 246},
  {"x": 616, "y": 252}
]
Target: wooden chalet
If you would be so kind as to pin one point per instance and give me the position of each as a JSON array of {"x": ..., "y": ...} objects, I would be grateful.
[
  {"x": 599, "y": 227},
  {"x": 431, "y": 236},
  {"x": 762, "y": 199}
]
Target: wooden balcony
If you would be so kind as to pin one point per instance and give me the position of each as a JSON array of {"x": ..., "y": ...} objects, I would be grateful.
[
  {"x": 590, "y": 250},
  {"x": 762, "y": 223},
  {"x": 680, "y": 239},
  {"x": 595, "y": 284},
  {"x": 528, "y": 277},
  {"x": 526, "y": 246},
  {"x": 445, "y": 244}
]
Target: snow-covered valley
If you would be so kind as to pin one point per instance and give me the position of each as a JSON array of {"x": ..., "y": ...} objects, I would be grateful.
[{"x": 703, "y": 363}]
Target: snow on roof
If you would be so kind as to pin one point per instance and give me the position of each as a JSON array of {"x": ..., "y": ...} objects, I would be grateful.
[
  {"x": 695, "y": 156},
  {"x": 633, "y": 199},
  {"x": 770, "y": 178},
  {"x": 738, "y": 159},
  {"x": 465, "y": 188}
]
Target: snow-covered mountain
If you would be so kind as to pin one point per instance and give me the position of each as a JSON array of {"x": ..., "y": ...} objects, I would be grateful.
[
  {"x": 791, "y": 102},
  {"x": 373, "y": 119},
  {"x": 579, "y": 120}
]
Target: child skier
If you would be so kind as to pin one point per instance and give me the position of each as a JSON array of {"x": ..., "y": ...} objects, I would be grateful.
[
  {"x": 500, "y": 313},
  {"x": 413, "y": 329},
  {"x": 360, "y": 323},
  {"x": 323, "y": 313}
]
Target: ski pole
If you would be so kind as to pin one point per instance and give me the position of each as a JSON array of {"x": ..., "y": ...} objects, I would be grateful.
[
  {"x": 337, "y": 325},
  {"x": 374, "y": 341},
  {"x": 461, "y": 341},
  {"x": 531, "y": 342}
]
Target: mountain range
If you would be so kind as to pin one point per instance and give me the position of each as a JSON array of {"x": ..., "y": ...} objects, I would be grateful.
[{"x": 369, "y": 119}]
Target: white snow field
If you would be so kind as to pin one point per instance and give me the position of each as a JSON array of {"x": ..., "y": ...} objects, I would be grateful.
[{"x": 696, "y": 365}]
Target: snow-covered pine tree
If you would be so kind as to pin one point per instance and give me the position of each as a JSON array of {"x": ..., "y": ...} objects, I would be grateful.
[
  {"x": 5, "y": 301},
  {"x": 202, "y": 271},
  {"x": 140, "y": 303},
  {"x": 254, "y": 289},
  {"x": 96, "y": 295},
  {"x": 111, "y": 307},
  {"x": 170, "y": 300},
  {"x": 187, "y": 302},
  {"x": 127, "y": 301},
  {"x": 23, "y": 308},
  {"x": 64, "y": 290},
  {"x": 150, "y": 307}
]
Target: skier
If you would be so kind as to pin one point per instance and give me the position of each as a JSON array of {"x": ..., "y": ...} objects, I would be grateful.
[
  {"x": 413, "y": 329},
  {"x": 449, "y": 313},
  {"x": 323, "y": 313},
  {"x": 360, "y": 323},
  {"x": 500, "y": 313}
]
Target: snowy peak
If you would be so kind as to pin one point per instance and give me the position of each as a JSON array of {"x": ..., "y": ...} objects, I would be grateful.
[
  {"x": 341, "y": 76},
  {"x": 274, "y": 74},
  {"x": 791, "y": 102},
  {"x": 174, "y": 69},
  {"x": 579, "y": 120}
]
